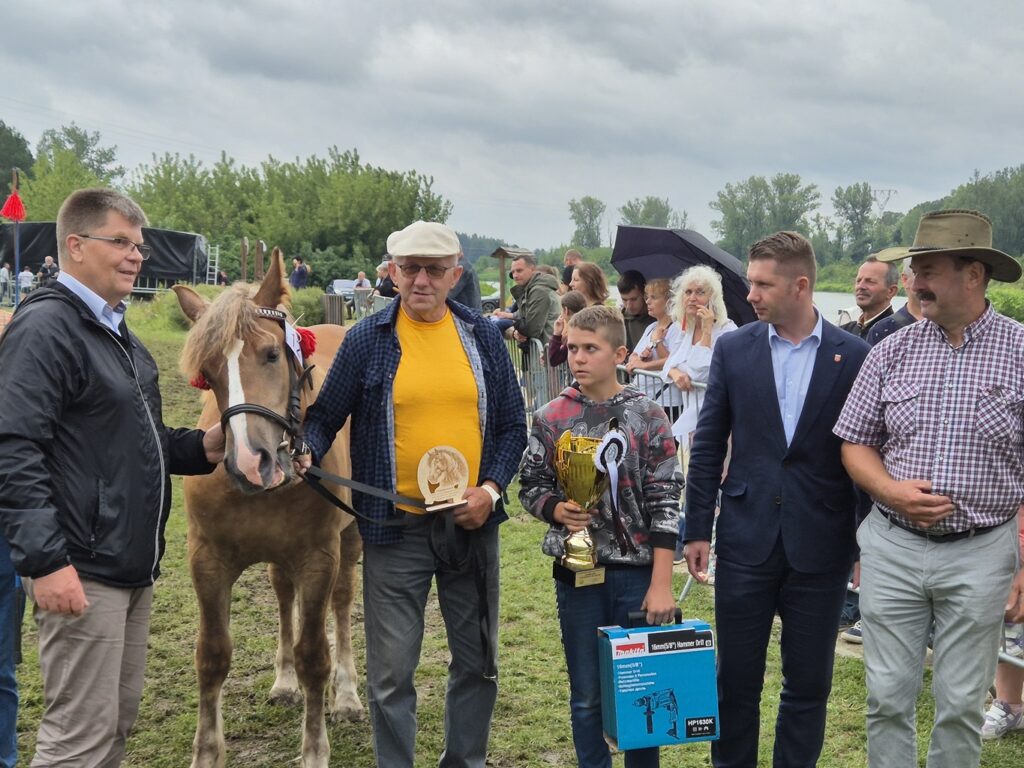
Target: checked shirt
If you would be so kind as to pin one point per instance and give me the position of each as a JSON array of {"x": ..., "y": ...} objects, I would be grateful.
[{"x": 951, "y": 416}]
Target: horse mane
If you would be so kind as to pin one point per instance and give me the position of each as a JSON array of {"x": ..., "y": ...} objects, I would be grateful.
[{"x": 230, "y": 316}]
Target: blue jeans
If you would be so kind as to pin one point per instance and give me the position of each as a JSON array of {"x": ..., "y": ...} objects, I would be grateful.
[
  {"x": 580, "y": 612},
  {"x": 9, "y": 618}
]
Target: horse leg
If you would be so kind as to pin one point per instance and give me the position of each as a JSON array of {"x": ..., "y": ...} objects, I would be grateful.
[
  {"x": 313, "y": 655},
  {"x": 286, "y": 685},
  {"x": 345, "y": 702},
  {"x": 212, "y": 583}
]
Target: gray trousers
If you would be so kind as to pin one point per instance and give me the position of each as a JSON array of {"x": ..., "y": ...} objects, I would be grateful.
[
  {"x": 907, "y": 581},
  {"x": 396, "y": 582},
  {"x": 93, "y": 667}
]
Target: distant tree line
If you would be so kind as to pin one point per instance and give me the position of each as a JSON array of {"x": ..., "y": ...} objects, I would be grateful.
[
  {"x": 859, "y": 225},
  {"x": 336, "y": 212}
]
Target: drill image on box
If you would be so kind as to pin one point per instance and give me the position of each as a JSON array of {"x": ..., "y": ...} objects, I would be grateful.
[{"x": 664, "y": 699}]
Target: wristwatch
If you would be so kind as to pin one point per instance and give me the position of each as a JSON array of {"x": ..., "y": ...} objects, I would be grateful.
[{"x": 495, "y": 496}]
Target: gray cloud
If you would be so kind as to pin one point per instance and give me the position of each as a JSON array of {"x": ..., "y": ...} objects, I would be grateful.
[{"x": 515, "y": 108}]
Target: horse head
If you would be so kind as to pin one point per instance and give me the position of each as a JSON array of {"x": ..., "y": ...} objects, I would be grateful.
[{"x": 238, "y": 349}]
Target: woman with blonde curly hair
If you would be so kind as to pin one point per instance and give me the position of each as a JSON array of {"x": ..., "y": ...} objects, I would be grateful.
[
  {"x": 589, "y": 280},
  {"x": 698, "y": 307},
  {"x": 698, "y": 310}
]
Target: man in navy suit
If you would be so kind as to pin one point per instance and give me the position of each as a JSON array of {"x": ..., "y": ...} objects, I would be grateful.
[{"x": 786, "y": 529}]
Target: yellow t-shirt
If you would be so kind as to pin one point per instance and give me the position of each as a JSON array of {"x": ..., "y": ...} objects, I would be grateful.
[{"x": 435, "y": 399}]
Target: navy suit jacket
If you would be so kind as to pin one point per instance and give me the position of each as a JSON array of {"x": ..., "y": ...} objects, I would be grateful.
[{"x": 800, "y": 491}]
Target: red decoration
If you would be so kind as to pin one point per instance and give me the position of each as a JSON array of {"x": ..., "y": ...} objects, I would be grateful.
[
  {"x": 307, "y": 342},
  {"x": 199, "y": 382},
  {"x": 13, "y": 209}
]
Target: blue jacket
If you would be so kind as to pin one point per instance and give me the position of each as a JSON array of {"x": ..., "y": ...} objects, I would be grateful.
[
  {"x": 360, "y": 384},
  {"x": 800, "y": 491}
]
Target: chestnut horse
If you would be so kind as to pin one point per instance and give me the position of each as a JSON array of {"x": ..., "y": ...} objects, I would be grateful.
[{"x": 253, "y": 509}]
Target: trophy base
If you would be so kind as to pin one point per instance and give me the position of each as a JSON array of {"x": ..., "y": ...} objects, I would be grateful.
[
  {"x": 447, "y": 505},
  {"x": 586, "y": 578}
]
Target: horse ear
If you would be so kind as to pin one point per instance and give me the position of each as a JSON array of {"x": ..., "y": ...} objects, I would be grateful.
[
  {"x": 274, "y": 288},
  {"x": 192, "y": 304}
]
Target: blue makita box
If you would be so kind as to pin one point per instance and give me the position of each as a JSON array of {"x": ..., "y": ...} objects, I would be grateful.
[{"x": 658, "y": 684}]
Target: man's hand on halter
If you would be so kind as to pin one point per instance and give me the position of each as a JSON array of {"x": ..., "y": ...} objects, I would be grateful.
[
  {"x": 213, "y": 444},
  {"x": 302, "y": 462},
  {"x": 60, "y": 592}
]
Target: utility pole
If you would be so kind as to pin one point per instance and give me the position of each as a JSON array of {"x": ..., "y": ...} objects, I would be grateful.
[{"x": 881, "y": 198}]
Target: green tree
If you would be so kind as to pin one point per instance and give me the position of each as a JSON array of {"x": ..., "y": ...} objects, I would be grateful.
[
  {"x": 1000, "y": 196},
  {"x": 790, "y": 201},
  {"x": 101, "y": 161},
  {"x": 478, "y": 247},
  {"x": 14, "y": 151},
  {"x": 853, "y": 208},
  {"x": 824, "y": 248},
  {"x": 174, "y": 193},
  {"x": 652, "y": 211},
  {"x": 586, "y": 213},
  {"x": 886, "y": 230},
  {"x": 54, "y": 176},
  {"x": 908, "y": 227},
  {"x": 744, "y": 215},
  {"x": 757, "y": 207}
]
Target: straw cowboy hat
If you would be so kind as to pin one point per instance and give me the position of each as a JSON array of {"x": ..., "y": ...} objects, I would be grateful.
[{"x": 957, "y": 233}]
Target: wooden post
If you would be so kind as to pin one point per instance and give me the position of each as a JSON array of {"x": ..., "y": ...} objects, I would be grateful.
[
  {"x": 243, "y": 260},
  {"x": 501, "y": 280},
  {"x": 261, "y": 248}
]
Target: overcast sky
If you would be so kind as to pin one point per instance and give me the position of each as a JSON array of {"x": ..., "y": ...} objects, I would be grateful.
[{"x": 516, "y": 107}]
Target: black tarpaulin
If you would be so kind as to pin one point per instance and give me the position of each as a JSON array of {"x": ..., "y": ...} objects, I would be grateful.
[{"x": 176, "y": 255}]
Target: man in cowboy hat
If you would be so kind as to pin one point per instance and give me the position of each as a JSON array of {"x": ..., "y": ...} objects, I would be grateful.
[{"x": 934, "y": 431}]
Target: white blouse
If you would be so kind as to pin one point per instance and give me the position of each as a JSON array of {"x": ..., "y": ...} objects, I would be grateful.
[
  {"x": 695, "y": 362},
  {"x": 649, "y": 382}
]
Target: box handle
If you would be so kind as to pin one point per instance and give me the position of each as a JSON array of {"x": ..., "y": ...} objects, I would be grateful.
[{"x": 639, "y": 618}]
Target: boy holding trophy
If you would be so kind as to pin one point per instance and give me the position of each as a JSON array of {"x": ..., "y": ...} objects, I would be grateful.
[{"x": 600, "y": 469}]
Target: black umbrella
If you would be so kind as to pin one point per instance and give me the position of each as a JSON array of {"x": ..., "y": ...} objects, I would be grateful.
[{"x": 659, "y": 252}]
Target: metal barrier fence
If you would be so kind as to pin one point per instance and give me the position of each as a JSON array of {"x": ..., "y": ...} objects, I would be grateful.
[
  {"x": 363, "y": 303},
  {"x": 541, "y": 382},
  {"x": 363, "y": 300}
]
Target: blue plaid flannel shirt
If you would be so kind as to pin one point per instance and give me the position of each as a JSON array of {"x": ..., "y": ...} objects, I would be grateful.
[{"x": 360, "y": 383}]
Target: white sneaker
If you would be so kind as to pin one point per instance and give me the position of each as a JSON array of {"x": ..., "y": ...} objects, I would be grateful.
[
  {"x": 999, "y": 719},
  {"x": 1013, "y": 640}
]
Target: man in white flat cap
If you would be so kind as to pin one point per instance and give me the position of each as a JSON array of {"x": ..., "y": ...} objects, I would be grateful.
[
  {"x": 933, "y": 429},
  {"x": 425, "y": 373}
]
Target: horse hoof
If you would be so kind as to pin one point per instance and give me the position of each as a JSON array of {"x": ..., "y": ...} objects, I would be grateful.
[
  {"x": 351, "y": 713},
  {"x": 285, "y": 697}
]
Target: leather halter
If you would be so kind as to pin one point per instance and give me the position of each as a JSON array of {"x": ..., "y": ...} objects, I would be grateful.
[{"x": 291, "y": 423}]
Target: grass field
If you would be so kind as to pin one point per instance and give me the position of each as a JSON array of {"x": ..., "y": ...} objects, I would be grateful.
[{"x": 531, "y": 728}]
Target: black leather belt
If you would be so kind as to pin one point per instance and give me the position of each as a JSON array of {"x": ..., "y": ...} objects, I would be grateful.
[{"x": 939, "y": 537}]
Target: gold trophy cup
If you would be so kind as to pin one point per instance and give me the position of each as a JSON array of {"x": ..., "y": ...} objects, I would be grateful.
[{"x": 583, "y": 484}]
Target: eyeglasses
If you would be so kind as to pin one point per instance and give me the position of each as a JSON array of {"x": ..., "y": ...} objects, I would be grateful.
[
  {"x": 433, "y": 271},
  {"x": 124, "y": 244}
]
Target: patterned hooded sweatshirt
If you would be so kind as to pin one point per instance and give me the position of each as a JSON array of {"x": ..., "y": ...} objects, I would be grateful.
[{"x": 650, "y": 483}]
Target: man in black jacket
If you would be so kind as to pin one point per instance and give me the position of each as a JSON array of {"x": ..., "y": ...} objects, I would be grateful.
[
  {"x": 467, "y": 290},
  {"x": 85, "y": 464}
]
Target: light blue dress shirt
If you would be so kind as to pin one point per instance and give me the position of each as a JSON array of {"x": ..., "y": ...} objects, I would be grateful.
[
  {"x": 792, "y": 365},
  {"x": 111, "y": 318}
]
